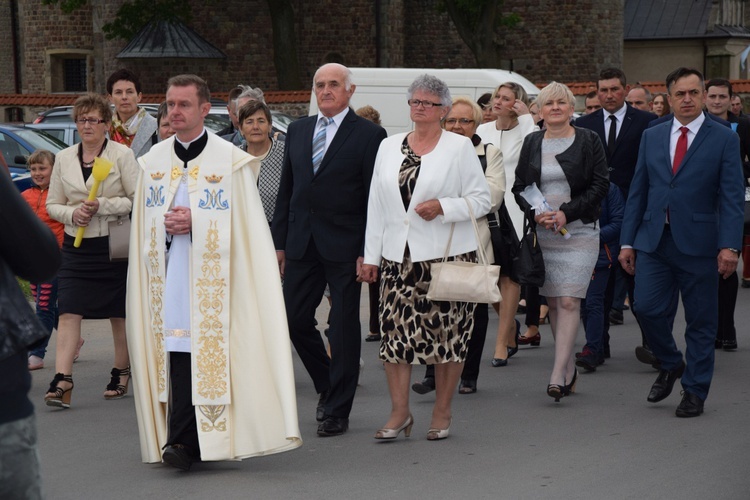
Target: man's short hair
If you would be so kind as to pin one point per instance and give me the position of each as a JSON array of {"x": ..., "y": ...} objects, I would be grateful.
[
  {"x": 720, "y": 82},
  {"x": 610, "y": 73},
  {"x": 126, "y": 75},
  {"x": 592, "y": 94},
  {"x": 248, "y": 92},
  {"x": 682, "y": 72},
  {"x": 646, "y": 92},
  {"x": 204, "y": 95}
]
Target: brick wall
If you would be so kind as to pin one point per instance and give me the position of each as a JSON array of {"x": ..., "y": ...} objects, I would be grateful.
[
  {"x": 7, "y": 84},
  {"x": 585, "y": 35}
]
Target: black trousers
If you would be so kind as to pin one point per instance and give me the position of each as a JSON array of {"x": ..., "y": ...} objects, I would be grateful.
[
  {"x": 183, "y": 428},
  {"x": 304, "y": 282},
  {"x": 727, "y": 301}
]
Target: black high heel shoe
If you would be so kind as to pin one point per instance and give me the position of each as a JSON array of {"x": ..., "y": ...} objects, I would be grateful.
[
  {"x": 514, "y": 349},
  {"x": 571, "y": 387},
  {"x": 115, "y": 384},
  {"x": 556, "y": 391},
  {"x": 57, "y": 396}
]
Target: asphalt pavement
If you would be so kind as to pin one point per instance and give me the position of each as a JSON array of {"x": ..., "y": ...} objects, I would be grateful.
[{"x": 508, "y": 441}]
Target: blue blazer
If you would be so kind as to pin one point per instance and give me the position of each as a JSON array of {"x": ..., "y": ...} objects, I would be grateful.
[
  {"x": 622, "y": 162},
  {"x": 330, "y": 206},
  {"x": 705, "y": 197}
]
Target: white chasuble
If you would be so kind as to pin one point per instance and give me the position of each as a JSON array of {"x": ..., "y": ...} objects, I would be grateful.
[{"x": 232, "y": 320}]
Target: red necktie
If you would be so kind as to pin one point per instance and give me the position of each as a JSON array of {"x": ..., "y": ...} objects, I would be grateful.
[{"x": 680, "y": 150}]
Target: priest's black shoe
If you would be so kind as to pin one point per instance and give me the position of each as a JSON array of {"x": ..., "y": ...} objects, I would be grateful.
[
  {"x": 177, "y": 456},
  {"x": 333, "y": 426},
  {"x": 320, "y": 411},
  {"x": 664, "y": 384},
  {"x": 690, "y": 406}
]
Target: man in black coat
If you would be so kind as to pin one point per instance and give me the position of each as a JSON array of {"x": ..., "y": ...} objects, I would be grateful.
[
  {"x": 318, "y": 229},
  {"x": 622, "y": 142}
]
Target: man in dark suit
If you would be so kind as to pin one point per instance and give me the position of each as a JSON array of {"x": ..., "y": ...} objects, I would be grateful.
[
  {"x": 622, "y": 142},
  {"x": 318, "y": 229},
  {"x": 685, "y": 207}
]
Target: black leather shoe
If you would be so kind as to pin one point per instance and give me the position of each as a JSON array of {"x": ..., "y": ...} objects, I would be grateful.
[
  {"x": 177, "y": 456},
  {"x": 333, "y": 426},
  {"x": 320, "y": 411},
  {"x": 690, "y": 406},
  {"x": 729, "y": 345},
  {"x": 664, "y": 384},
  {"x": 425, "y": 386},
  {"x": 644, "y": 355}
]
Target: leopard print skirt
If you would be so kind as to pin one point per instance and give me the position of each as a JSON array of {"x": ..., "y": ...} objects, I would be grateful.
[{"x": 416, "y": 330}]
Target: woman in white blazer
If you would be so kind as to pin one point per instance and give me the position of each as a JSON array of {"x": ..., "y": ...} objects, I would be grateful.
[
  {"x": 421, "y": 185},
  {"x": 90, "y": 286}
]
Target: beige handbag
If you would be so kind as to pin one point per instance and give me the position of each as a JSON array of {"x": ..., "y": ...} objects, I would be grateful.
[
  {"x": 465, "y": 281},
  {"x": 119, "y": 238}
]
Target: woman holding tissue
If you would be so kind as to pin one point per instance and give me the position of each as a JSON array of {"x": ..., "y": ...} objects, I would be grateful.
[
  {"x": 90, "y": 286},
  {"x": 569, "y": 166}
]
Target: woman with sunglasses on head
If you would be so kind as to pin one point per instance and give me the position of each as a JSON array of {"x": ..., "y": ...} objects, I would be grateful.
[
  {"x": 90, "y": 286},
  {"x": 514, "y": 122}
]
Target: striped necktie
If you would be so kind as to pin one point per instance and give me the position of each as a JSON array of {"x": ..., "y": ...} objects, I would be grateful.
[{"x": 319, "y": 143}]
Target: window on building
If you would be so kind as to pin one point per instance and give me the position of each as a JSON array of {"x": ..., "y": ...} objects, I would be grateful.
[
  {"x": 69, "y": 70},
  {"x": 74, "y": 75}
]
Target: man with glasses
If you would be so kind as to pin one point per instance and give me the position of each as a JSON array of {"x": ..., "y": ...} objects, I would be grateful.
[{"x": 318, "y": 230}]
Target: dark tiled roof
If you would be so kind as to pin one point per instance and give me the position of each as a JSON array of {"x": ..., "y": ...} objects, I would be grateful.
[
  {"x": 167, "y": 39},
  {"x": 674, "y": 19}
]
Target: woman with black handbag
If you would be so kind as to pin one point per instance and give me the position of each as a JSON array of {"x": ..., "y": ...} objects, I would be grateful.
[{"x": 569, "y": 166}]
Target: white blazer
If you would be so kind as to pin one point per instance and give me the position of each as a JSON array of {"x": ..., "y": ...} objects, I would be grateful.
[{"x": 449, "y": 173}]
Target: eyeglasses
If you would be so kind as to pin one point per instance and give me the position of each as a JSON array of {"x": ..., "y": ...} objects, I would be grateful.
[
  {"x": 90, "y": 121},
  {"x": 426, "y": 104},
  {"x": 462, "y": 121}
]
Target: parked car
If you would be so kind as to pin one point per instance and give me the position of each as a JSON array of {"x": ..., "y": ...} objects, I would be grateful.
[
  {"x": 17, "y": 143},
  {"x": 217, "y": 119},
  {"x": 66, "y": 132}
]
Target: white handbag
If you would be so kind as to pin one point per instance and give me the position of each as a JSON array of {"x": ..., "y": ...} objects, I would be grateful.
[{"x": 465, "y": 281}]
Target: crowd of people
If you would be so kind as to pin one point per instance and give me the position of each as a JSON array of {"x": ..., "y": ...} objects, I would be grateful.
[{"x": 235, "y": 238}]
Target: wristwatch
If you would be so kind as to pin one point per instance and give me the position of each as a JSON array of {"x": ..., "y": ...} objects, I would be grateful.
[{"x": 734, "y": 250}]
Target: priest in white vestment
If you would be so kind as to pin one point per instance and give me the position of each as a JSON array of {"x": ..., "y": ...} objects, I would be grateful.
[{"x": 207, "y": 332}]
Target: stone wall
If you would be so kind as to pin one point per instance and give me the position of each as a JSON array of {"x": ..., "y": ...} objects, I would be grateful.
[{"x": 564, "y": 40}]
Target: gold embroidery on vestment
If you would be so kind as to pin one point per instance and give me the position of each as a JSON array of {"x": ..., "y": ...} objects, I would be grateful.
[
  {"x": 212, "y": 413},
  {"x": 177, "y": 333},
  {"x": 211, "y": 359},
  {"x": 156, "y": 286},
  {"x": 176, "y": 172}
]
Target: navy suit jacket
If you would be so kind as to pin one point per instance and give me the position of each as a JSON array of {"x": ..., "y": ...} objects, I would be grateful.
[
  {"x": 622, "y": 162},
  {"x": 330, "y": 206},
  {"x": 705, "y": 197}
]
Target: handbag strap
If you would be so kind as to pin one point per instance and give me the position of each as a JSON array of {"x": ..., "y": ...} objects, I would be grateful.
[{"x": 480, "y": 248}]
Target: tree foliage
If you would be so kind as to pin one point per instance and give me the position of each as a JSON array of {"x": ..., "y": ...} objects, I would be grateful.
[
  {"x": 133, "y": 14},
  {"x": 481, "y": 24}
]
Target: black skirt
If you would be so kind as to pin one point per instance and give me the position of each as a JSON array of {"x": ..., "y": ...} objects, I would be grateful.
[{"x": 89, "y": 284}]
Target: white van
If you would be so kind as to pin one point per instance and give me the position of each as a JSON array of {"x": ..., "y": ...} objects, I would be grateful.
[{"x": 385, "y": 89}]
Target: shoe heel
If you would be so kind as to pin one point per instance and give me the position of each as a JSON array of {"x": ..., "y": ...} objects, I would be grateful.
[
  {"x": 535, "y": 343},
  {"x": 407, "y": 430},
  {"x": 57, "y": 396}
]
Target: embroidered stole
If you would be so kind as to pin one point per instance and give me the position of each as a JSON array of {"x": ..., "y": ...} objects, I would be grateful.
[{"x": 209, "y": 179}]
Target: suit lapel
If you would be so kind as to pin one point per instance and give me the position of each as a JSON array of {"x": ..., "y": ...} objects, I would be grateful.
[
  {"x": 626, "y": 123},
  {"x": 703, "y": 132},
  {"x": 346, "y": 128}
]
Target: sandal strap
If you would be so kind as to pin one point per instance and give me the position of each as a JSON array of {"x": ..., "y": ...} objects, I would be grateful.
[
  {"x": 114, "y": 383},
  {"x": 53, "y": 386}
]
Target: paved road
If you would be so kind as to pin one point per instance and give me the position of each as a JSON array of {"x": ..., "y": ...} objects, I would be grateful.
[{"x": 508, "y": 441}]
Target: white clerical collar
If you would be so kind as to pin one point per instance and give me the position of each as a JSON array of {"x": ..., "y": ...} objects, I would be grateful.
[{"x": 187, "y": 144}]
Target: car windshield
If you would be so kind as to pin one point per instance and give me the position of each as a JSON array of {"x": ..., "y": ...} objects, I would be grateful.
[
  {"x": 215, "y": 122},
  {"x": 40, "y": 140}
]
